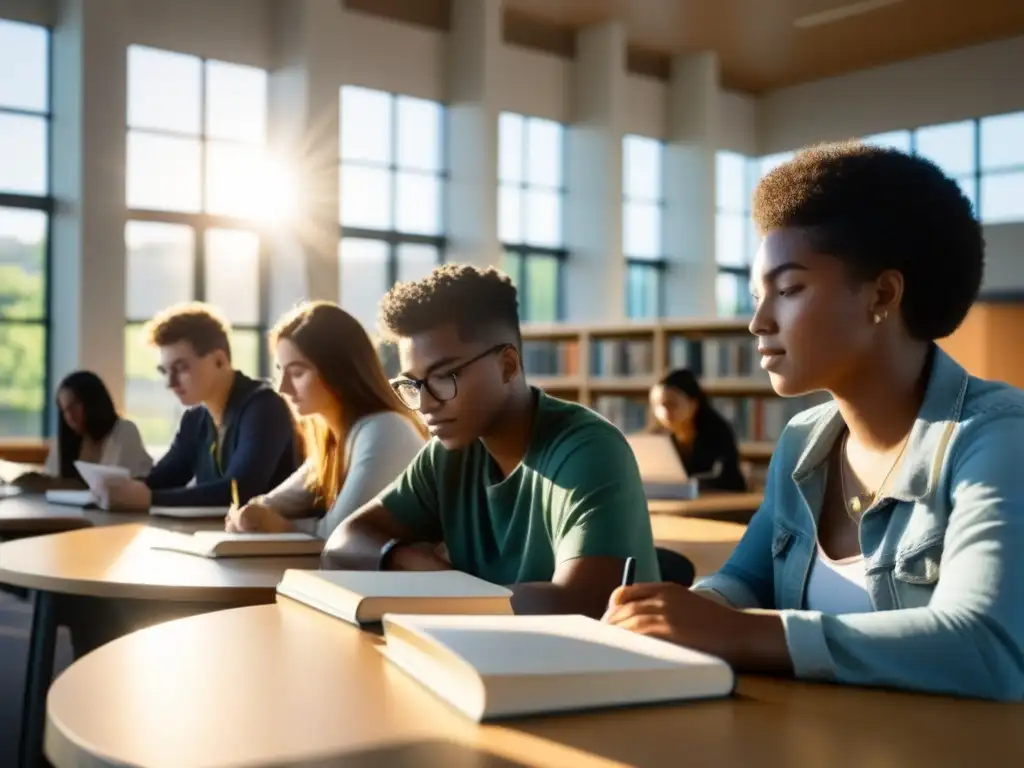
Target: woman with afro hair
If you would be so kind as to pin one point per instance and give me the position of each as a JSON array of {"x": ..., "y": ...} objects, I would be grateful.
[{"x": 889, "y": 550}]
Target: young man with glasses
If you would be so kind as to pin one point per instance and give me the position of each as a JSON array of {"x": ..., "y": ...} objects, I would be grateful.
[
  {"x": 521, "y": 488},
  {"x": 236, "y": 429}
]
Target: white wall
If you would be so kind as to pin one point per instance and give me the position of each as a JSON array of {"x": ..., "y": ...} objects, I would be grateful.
[
  {"x": 33, "y": 11},
  {"x": 646, "y": 106},
  {"x": 534, "y": 83},
  {"x": 737, "y": 123},
  {"x": 389, "y": 56},
  {"x": 971, "y": 82}
]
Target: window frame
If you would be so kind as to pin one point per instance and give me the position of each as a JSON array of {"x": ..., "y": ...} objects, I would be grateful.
[
  {"x": 524, "y": 250},
  {"x": 746, "y": 214},
  {"x": 657, "y": 266},
  {"x": 44, "y": 204},
  {"x": 201, "y": 222},
  {"x": 393, "y": 237}
]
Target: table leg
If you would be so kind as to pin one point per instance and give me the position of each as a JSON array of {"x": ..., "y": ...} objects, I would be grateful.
[{"x": 38, "y": 676}]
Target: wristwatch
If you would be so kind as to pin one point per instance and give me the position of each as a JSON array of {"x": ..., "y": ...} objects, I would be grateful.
[{"x": 385, "y": 551}]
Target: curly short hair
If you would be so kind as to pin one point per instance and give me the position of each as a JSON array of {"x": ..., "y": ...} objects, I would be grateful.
[
  {"x": 199, "y": 324},
  {"x": 879, "y": 209},
  {"x": 477, "y": 301}
]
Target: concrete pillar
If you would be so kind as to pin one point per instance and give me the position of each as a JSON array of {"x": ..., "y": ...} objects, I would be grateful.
[
  {"x": 304, "y": 131},
  {"x": 595, "y": 273},
  {"x": 474, "y": 44},
  {"x": 689, "y": 221},
  {"x": 88, "y": 181}
]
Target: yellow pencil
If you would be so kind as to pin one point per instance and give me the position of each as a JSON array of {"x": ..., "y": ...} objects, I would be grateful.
[{"x": 234, "y": 492}]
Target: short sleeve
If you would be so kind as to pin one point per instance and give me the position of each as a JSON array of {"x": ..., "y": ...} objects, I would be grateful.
[
  {"x": 601, "y": 508},
  {"x": 412, "y": 499}
]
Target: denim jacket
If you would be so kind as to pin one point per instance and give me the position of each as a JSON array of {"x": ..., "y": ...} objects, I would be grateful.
[{"x": 943, "y": 549}]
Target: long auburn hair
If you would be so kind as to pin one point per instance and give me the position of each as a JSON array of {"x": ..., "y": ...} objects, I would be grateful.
[
  {"x": 347, "y": 363},
  {"x": 100, "y": 418}
]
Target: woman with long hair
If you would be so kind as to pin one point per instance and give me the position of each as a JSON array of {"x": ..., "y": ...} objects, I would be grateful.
[
  {"x": 90, "y": 430},
  {"x": 702, "y": 437},
  {"x": 887, "y": 551},
  {"x": 358, "y": 436}
]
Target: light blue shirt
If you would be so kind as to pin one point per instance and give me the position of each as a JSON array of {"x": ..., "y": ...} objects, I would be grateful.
[{"x": 943, "y": 550}]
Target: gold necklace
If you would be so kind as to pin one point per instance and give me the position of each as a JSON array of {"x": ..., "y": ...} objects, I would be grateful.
[{"x": 855, "y": 505}]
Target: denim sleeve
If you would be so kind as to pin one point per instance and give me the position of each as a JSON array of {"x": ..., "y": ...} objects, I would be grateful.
[
  {"x": 969, "y": 640},
  {"x": 747, "y": 580}
]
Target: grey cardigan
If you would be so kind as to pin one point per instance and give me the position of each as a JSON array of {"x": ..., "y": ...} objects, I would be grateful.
[{"x": 378, "y": 448}]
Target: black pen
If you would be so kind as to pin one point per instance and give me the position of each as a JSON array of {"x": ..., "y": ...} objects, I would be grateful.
[{"x": 628, "y": 572}]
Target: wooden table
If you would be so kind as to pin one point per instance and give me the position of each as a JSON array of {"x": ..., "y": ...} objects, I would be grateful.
[
  {"x": 115, "y": 562},
  {"x": 31, "y": 515},
  {"x": 707, "y": 543},
  {"x": 285, "y": 685},
  {"x": 733, "y": 507}
]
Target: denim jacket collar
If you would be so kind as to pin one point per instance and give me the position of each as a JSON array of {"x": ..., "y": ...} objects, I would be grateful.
[{"x": 918, "y": 474}]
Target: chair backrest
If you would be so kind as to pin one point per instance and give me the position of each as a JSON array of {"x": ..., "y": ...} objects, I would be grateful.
[{"x": 675, "y": 567}]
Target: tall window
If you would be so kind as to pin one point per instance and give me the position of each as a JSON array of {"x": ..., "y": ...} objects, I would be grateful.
[
  {"x": 642, "y": 216},
  {"x": 25, "y": 205},
  {"x": 985, "y": 157},
  {"x": 392, "y": 184},
  {"x": 1002, "y": 168},
  {"x": 200, "y": 190},
  {"x": 735, "y": 237},
  {"x": 531, "y": 198}
]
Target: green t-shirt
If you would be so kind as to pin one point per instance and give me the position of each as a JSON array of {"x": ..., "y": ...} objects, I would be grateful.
[{"x": 576, "y": 493}]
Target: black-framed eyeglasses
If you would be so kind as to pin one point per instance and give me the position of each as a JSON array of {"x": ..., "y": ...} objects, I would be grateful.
[{"x": 441, "y": 386}]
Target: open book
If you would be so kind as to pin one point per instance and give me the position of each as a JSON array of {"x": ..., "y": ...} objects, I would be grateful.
[
  {"x": 223, "y": 544},
  {"x": 94, "y": 476},
  {"x": 363, "y": 597},
  {"x": 506, "y": 666}
]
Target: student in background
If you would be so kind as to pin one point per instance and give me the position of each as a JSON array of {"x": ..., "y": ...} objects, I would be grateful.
[
  {"x": 702, "y": 437},
  {"x": 235, "y": 429},
  {"x": 359, "y": 436},
  {"x": 521, "y": 488},
  {"x": 90, "y": 430},
  {"x": 888, "y": 548}
]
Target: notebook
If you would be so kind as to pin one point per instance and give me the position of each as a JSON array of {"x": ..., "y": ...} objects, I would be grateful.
[
  {"x": 222, "y": 544},
  {"x": 363, "y": 597},
  {"x": 94, "y": 476},
  {"x": 190, "y": 513},
  {"x": 490, "y": 667},
  {"x": 71, "y": 498},
  {"x": 661, "y": 470}
]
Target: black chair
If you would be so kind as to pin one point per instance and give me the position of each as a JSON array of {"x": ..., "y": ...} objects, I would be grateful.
[{"x": 675, "y": 567}]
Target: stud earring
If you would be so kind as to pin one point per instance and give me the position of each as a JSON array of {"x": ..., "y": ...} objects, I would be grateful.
[{"x": 879, "y": 317}]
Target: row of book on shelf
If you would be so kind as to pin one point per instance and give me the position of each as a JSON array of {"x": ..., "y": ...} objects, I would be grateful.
[{"x": 618, "y": 357}]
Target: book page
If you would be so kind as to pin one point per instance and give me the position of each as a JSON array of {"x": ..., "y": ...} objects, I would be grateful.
[
  {"x": 211, "y": 538},
  {"x": 548, "y": 645},
  {"x": 190, "y": 512},
  {"x": 398, "y": 584}
]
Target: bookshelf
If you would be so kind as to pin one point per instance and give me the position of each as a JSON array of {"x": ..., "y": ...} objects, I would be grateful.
[{"x": 612, "y": 368}]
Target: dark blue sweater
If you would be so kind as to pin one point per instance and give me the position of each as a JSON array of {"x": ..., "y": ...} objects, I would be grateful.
[{"x": 257, "y": 450}]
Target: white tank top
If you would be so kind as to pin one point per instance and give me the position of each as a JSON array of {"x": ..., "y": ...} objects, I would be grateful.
[{"x": 835, "y": 587}]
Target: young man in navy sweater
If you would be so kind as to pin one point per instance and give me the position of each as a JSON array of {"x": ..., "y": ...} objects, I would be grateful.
[{"x": 235, "y": 429}]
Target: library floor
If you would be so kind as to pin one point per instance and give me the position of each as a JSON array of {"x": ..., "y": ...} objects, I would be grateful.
[{"x": 15, "y": 622}]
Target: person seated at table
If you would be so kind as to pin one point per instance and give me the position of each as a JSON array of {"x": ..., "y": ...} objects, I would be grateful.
[
  {"x": 89, "y": 429},
  {"x": 887, "y": 551},
  {"x": 236, "y": 429},
  {"x": 521, "y": 488},
  {"x": 358, "y": 434},
  {"x": 702, "y": 437}
]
